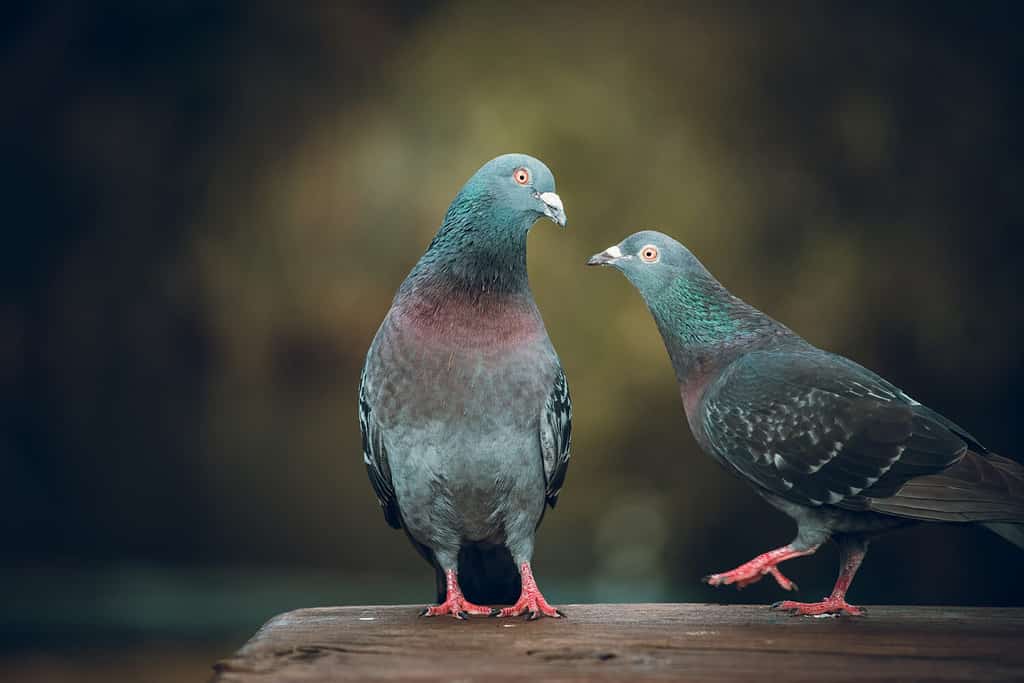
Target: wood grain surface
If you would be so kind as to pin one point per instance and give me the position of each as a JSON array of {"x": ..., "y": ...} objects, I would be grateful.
[{"x": 636, "y": 642}]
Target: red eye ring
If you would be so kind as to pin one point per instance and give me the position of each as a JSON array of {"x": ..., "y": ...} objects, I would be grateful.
[
  {"x": 650, "y": 254},
  {"x": 521, "y": 175}
]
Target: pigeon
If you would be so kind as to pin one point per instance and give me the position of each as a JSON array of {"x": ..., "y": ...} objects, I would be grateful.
[
  {"x": 464, "y": 408},
  {"x": 845, "y": 453}
]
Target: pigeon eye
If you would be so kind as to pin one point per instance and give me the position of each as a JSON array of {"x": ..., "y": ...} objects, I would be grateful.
[
  {"x": 521, "y": 175},
  {"x": 650, "y": 254}
]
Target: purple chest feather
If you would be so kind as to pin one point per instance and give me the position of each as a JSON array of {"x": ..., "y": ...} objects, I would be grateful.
[
  {"x": 692, "y": 391},
  {"x": 470, "y": 320},
  {"x": 466, "y": 358}
]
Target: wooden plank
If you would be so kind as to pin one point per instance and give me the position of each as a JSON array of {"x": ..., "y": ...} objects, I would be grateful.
[{"x": 635, "y": 643}]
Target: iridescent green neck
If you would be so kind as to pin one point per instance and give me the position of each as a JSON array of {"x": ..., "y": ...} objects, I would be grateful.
[
  {"x": 703, "y": 325},
  {"x": 479, "y": 246}
]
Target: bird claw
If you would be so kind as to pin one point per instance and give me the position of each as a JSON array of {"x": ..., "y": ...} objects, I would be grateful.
[
  {"x": 531, "y": 601},
  {"x": 457, "y": 608},
  {"x": 532, "y": 606},
  {"x": 748, "y": 574},
  {"x": 828, "y": 607},
  {"x": 784, "y": 583}
]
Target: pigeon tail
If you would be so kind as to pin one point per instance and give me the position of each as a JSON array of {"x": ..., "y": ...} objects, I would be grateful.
[
  {"x": 1014, "y": 533},
  {"x": 988, "y": 489}
]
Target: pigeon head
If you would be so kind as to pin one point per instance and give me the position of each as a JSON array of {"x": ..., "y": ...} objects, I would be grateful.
[
  {"x": 652, "y": 261},
  {"x": 698, "y": 318},
  {"x": 481, "y": 244},
  {"x": 513, "y": 191}
]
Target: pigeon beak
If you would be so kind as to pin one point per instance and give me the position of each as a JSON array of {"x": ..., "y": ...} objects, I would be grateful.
[
  {"x": 607, "y": 257},
  {"x": 553, "y": 208}
]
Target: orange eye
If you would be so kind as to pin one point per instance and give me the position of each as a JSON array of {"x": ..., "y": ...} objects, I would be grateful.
[
  {"x": 521, "y": 175},
  {"x": 649, "y": 254}
]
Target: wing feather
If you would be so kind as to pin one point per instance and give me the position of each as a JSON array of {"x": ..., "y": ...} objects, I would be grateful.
[
  {"x": 817, "y": 429},
  {"x": 375, "y": 455},
  {"x": 556, "y": 437}
]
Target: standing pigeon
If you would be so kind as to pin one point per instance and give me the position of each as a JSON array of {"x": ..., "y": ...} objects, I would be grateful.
[
  {"x": 833, "y": 445},
  {"x": 463, "y": 404}
]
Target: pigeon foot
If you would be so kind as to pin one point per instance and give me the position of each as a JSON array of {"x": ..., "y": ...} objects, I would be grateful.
[
  {"x": 831, "y": 605},
  {"x": 531, "y": 602},
  {"x": 753, "y": 571},
  {"x": 455, "y": 603},
  {"x": 533, "y": 605},
  {"x": 744, "y": 576},
  {"x": 852, "y": 553},
  {"x": 458, "y": 607}
]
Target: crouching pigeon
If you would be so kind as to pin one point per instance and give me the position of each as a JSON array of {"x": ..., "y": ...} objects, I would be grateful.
[
  {"x": 842, "y": 451},
  {"x": 463, "y": 405}
]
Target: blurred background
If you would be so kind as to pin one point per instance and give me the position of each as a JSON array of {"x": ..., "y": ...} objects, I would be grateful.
[{"x": 208, "y": 209}]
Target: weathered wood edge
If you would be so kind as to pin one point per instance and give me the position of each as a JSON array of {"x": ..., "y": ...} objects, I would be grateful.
[{"x": 976, "y": 625}]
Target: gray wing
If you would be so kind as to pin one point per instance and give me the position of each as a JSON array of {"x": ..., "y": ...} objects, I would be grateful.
[
  {"x": 375, "y": 456},
  {"x": 817, "y": 429},
  {"x": 556, "y": 437}
]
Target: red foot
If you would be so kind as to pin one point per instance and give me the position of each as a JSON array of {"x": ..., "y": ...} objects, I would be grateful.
[
  {"x": 459, "y": 607},
  {"x": 744, "y": 575},
  {"x": 752, "y": 571},
  {"x": 830, "y": 605},
  {"x": 530, "y": 601},
  {"x": 455, "y": 604}
]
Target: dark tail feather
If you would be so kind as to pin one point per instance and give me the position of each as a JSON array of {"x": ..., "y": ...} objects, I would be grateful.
[
  {"x": 487, "y": 575},
  {"x": 1014, "y": 533},
  {"x": 977, "y": 488}
]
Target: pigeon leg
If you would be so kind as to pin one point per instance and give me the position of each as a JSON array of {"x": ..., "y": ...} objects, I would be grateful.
[
  {"x": 530, "y": 599},
  {"x": 852, "y": 551},
  {"x": 752, "y": 571},
  {"x": 455, "y": 604}
]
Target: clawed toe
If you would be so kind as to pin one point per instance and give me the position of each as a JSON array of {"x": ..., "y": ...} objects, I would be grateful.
[
  {"x": 784, "y": 583},
  {"x": 531, "y": 611},
  {"x": 733, "y": 578},
  {"x": 455, "y": 603},
  {"x": 827, "y": 607},
  {"x": 744, "y": 576},
  {"x": 532, "y": 607},
  {"x": 457, "y": 608},
  {"x": 531, "y": 601}
]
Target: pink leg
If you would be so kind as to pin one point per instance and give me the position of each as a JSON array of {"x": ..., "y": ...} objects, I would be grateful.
[
  {"x": 530, "y": 599},
  {"x": 455, "y": 604},
  {"x": 853, "y": 552},
  {"x": 752, "y": 571}
]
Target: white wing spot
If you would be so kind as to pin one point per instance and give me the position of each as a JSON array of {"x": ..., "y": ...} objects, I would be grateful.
[{"x": 909, "y": 399}]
